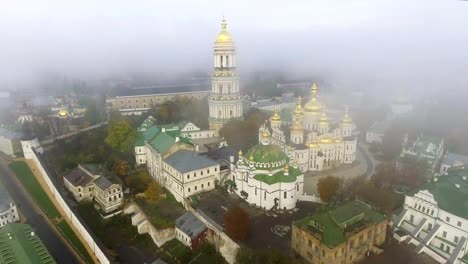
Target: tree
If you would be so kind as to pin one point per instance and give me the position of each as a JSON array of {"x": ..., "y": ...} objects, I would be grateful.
[
  {"x": 393, "y": 140},
  {"x": 328, "y": 188},
  {"x": 244, "y": 133},
  {"x": 381, "y": 198},
  {"x": 120, "y": 168},
  {"x": 121, "y": 135},
  {"x": 237, "y": 223},
  {"x": 92, "y": 114},
  {"x": 385, "y": 175},
  {"x": 153, "y": 192}
]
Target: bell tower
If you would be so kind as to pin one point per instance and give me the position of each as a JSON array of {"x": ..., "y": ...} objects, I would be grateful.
[{"x": 225, "y": 102}]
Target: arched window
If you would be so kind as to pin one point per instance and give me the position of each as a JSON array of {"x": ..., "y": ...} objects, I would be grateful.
[{"x": 227, "y": 61}]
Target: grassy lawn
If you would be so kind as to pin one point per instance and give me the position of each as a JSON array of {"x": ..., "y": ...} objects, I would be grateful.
[
  {"x": 27, "y": 179},
  {"x": 162, "y": 214},
  {"x": 68, "y": 233},
  {"x": 30, "y": 183}
]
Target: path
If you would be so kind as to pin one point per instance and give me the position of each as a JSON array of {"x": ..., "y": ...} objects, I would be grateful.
[{"x": 34, "y": 217}]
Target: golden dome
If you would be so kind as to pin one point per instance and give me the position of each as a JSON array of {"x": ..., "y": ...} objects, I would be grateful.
[
  {"x": 251, "y": 158},
  {"x": 326, "y": 140},
  {"x": 265, "y": 134},
  {"x": 224, "y": 35},
  {"x": 276, "y": 117},
  {"x": 240, "y": 152},
  {"x": 286, "y": 166},
  {"x": 313, "y": 105},
  {"x": 299, "y": 110},
  {"x": 296, "y": 126},
  {"x": 63, "y": 113},
  {"x": 313, "y": 145},
  {"x": 323, "y": 118}
]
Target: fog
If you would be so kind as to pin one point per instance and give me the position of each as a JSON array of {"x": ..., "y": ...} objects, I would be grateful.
[{"x": 386, "y": 44}]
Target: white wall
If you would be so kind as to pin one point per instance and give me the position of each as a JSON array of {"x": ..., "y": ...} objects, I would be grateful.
[
  {"x": 10, "y": 215},
  {"x": 99, "y": 254}
]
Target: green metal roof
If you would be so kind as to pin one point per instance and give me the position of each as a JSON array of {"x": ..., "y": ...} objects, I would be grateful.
[
  {"x": 333, "y": 224},
  {"x": 267, "y": 154},
  {"x": 19, "y": 245},
  {"x": 279, "y": 176},
  {"x": 450, "y": 192}
]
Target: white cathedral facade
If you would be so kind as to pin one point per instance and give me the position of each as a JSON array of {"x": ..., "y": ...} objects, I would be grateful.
[
  {"x": 225, "y": 101},
  {"x": 312, "y": 140}
]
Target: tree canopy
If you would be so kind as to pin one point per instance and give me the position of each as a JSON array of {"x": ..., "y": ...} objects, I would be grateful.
[
  {"x": 328, "y": 188},
  {"x": 121, "y": 135},
  {"x": 180, "y": 109},
  {"x": 237, "y": 223}
]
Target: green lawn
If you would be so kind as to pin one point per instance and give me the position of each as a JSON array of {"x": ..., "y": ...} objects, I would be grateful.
[
  {"x": 27, "y": 179},
  {"x": 30, "y": 183},
  {"x": 68, "y": 233}
]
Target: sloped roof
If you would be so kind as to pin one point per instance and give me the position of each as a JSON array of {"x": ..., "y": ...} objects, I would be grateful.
[
  {"x": 279, "y": 176},
  {"x": 190, "y": 225},
  {"x": 448, "y": 196},
  {"x": 332, "y": 225},
  {"x": 78, "y": 177},
  {"x": 18, "y": 244},
  {"x": 186, "y": 161}
]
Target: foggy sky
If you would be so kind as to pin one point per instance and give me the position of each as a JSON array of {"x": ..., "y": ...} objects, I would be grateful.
[{"x": 383, "y": 43}]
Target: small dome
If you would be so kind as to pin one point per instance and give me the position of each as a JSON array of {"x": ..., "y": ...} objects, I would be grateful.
[
  {"x": 296, "y": 126},
  {"x": 299, "y": 110},
  {"x": 347, "y": 119},
  {"x": 276, "y": 117},
  {"x": 323, "y": 118},
  {"x": 63, "y": 113},
  {"x": 224, "y": 35},
  {"x": 313, "y": 105},
  {"x": 265, "y": 134}
]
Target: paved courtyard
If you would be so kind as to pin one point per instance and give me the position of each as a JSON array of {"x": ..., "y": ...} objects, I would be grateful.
[
  {"x": 364, "y": 164},
  {"x": 272, "y": 227}
]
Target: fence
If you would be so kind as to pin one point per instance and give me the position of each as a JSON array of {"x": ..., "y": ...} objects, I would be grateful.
[{"x": 75, "y": 221}]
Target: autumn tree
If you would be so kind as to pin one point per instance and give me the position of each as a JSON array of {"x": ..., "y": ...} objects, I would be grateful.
[
  {"x": 237, "y": 223},
  {"x": 92, "y": 114},
  {"x": 121, "y": 135},
  {"x": 120, "y": 168},
  {"x": 153, "y": 192},
  {"x": 378, "y": 197},
  {"x": 328, "y": 188},
  {"x": 385, "y": 175},
  {"x": 244, "y": 133}
]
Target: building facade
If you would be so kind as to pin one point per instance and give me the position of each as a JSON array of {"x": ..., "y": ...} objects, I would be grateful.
[
  {"x": 267, "y": 178},
  {"x": 186, "y": 173},
  {"x": 376, "y": 133},
  {"x": 312, "y": 139},
  {"x": 452, "y": 160},
  {"x": 8, "y": 210},
  {"x": 10, "y": 142},
  {"x": 435, "y": 218},
  {"x": 342, "y": 235},
  {"x": 138, "y": 100},
  {"x": 92, "y": 182},
  {"x": 190, "y": 231},
  {"x": 424, "y": 148},
  {"x": 225, "y": 101}
]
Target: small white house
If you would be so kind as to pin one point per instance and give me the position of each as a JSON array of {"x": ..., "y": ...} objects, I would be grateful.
[{"x": 8, "y": 210}]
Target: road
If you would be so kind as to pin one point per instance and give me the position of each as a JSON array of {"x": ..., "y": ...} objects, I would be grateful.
[{"x": 34, "y": 217}]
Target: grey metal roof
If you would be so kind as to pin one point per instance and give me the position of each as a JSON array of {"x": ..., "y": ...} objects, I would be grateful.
[
  {"x": 103, "y": 183},
  {"x": 450, "y": 158},
  {"x": 186, "y": 160},
  {"x": 5, "y": 199},
  {"x": 190, "y": 225},
  {"x": 78, "y": 177}
]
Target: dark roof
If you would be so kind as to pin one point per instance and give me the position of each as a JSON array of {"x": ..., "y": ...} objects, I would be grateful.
[
  {"x": 78, "y": 177},
  {"x": 186, "y": 160},
  {"x": 222, "y": 155},
  {"x": 190, "y": 225},
  {"x": 450, "y": 158},
  {"x": 166, "y": 89}
]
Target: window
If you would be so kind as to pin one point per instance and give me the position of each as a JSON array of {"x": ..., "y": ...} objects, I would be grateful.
[
  {"x": 455, "y": 239},
  {"x": 208, "y": 183},
  {"x": 285, "y": 193},
  {"x": 447, "y": 219},
  {"x": 429, "y": 226},
  {"x": 202, "y": 185},
  {"x": 459, "y": 224},
  {"x": 188, "y": 189},
  {"x": 309, "y": 242},
  {"x": 188, "y": 176},
  {"x": 195, "y": 187},
  {"x": 411, "y": 218},
  {"x": 444, "y": 234}
]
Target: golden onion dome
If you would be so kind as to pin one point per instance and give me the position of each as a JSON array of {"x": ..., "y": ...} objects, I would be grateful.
[
  {"x": 347, "y": 119},
  {"x": 313, "y": 105},
  {"x": 286, "y": 166},
  {"x": 265, "y": 134},
  {"x": 224, "y": 35},
  {"x": 251, "y": 158},
  {"x": 240, "y": 152},
  {"x": 326, "y": 140},
  {"x": 296, "y": 126},
  {"x": 323, "y": 118},
  {"x": 299, "y": 110},
  {"x": 276, "y": 117},
  {"x": 63, "y": 113}
]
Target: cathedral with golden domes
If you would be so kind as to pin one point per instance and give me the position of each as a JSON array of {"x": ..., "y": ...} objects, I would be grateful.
[{"x": 312, "y": 140}]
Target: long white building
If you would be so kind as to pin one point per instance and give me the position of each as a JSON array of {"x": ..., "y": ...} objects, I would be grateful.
[
  {"x": 314, "y": 141},
  {"x": 435, "y": 218}
]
